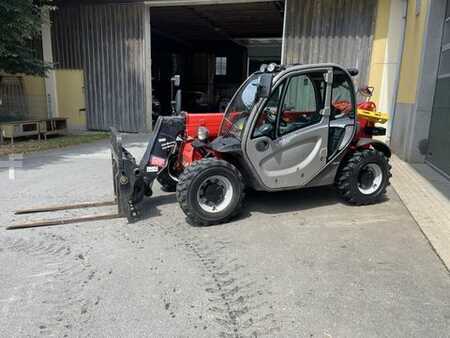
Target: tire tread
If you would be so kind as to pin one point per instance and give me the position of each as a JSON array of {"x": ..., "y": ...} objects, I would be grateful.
[
  {"x": 343, "y": 179},
  {"x": 189, "y": 175}
]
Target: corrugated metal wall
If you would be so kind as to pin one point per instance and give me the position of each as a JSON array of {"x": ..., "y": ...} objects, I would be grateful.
[
  {"x": 339, "y": 31},
  {"x": 113, "y": 54},
  {"x": 66, "y": 38},
  {"x": 109, "y": 43}
]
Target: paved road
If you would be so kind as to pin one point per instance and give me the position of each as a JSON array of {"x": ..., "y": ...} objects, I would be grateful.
[{"x": 295, "y": 264}]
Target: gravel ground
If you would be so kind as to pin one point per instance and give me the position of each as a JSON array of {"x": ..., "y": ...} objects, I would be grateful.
[{"x": 299, "y": 263}]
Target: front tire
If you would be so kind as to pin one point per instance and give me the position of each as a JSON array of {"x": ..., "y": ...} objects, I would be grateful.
[
  {"x": 364, "y": 177},
  {"x": 210, "y": 191}
]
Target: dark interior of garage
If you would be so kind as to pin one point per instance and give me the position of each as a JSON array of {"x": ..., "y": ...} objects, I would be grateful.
[{"x": 213, "y": 48}]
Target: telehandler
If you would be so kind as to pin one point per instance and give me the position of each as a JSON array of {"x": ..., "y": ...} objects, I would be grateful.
[{"x": 286, "y": 127}]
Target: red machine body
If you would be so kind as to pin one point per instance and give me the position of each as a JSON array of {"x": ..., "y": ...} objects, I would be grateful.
[{"x": 212, "y": 121}]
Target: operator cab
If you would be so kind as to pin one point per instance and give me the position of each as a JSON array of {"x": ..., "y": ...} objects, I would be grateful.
[{"x": 290, "y": 122}]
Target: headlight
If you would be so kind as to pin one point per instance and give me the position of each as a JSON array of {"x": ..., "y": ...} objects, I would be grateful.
[
  {"x": 263, "y": 67},
  {"x": 202, "y": 133},
  {"x": 271, "y": 67}
]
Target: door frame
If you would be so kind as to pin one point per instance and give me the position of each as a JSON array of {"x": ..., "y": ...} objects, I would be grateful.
[{"x": 324, "y": 123}]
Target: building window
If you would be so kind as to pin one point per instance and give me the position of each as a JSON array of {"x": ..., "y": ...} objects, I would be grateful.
[{"x": 221, "y": 65}]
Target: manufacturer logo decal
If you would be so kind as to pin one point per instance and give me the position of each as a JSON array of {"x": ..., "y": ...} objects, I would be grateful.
[
  {"x": 152, "y": 169},
  {"x": 167, "y": 145}
]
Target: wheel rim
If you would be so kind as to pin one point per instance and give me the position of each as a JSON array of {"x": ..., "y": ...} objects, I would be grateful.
[
  {"x": 370, "y": 178},
  {"x": 215, "y": 194}
]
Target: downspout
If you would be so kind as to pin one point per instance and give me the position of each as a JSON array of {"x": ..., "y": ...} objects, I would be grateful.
[
  {"x": 397, "y": 76},
  {"x": 148, "y": 90},
  {"x": 283, "y": 42}
]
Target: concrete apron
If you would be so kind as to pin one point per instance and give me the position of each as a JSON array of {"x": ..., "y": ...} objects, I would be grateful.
[{"x": 429, "y": 206}]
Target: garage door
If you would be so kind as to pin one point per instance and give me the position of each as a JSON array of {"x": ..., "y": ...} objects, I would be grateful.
[
  {"x": 439, "y": 140},
  {"x": 330, "y": 31}
]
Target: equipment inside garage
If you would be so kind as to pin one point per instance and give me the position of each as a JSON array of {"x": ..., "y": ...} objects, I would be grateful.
[{"x": 212, "y": 48}]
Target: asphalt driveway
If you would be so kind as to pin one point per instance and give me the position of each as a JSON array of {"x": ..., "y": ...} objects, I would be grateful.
[{"x": 300, "y": 263}]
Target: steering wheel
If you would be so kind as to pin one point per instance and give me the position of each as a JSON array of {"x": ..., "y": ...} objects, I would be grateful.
[
  {"x": 340, "y": 108},
  {"x": 270, "y": 115}
]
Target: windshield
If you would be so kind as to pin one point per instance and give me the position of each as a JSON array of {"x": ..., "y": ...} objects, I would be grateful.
[{"x": 239, "y": 109}]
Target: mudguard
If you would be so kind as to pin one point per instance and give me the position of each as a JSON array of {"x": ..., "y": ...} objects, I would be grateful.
[{"x": 376, "y": 144}]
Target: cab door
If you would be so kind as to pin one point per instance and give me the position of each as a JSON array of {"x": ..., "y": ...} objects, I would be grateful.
[{"x": 287, "y": 141}]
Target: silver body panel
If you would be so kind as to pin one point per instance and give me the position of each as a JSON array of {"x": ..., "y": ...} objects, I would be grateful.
[{"x": 294, "y": 160}]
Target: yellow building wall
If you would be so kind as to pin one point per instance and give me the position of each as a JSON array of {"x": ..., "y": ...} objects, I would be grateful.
[
  {"x": 412, "y": 52},
  {"x": 35, "y": 97},
  {"x": 379, "y": 46},
  {"x": 70, "y": 91},
  {"x": 33, "y": 85},
  {"x": 71, "y": 101}
]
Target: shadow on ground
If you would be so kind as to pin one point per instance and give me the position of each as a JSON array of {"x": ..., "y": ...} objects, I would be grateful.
[{"x": 269, "y": 203}]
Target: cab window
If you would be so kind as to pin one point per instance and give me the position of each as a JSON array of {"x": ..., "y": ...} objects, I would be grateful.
[
  {"x": 302, "y": 103},
  {"x": 342, "y": 97},
  {"x": 267, "y": 119}
]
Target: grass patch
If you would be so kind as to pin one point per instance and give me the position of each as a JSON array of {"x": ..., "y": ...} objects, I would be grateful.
[{"x": 55, "y": 142}]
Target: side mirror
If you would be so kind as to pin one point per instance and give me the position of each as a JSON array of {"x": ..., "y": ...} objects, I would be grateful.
[{"x": 265, "y": 85}]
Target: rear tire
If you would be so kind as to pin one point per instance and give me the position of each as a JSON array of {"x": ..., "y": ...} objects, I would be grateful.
[
  {"x": 210, "y": 191},
  {"x": 364, "y": 177}
]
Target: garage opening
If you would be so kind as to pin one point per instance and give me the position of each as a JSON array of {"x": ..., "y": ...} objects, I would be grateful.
[{"x": 212, "y": 48}]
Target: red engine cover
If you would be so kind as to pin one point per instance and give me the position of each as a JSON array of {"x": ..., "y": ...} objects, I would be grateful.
[
  {"x": 364, "y": 129},
  {"x": 367, "y": 105},
  {"x": 365, "y": 126},
  {"x": 212, "y": 121}
]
